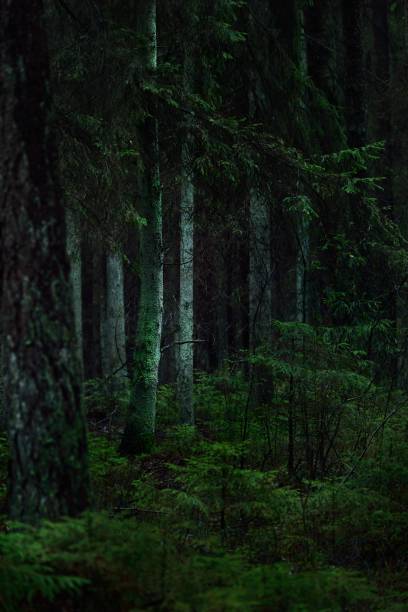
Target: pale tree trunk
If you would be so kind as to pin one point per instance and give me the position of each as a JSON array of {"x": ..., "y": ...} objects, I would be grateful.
[
  {"x": 115, "y": 334},
  {"x": 186, "y": 299},
  {"x": 140, "y": 427},
  {"x": 47, "y": 433},
  {"x": 75, "y": 259}
]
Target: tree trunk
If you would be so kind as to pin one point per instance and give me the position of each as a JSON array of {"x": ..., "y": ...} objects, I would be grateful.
[
  {"x": 49, "y": 476},
  {"x": 354, "y": 73},
  {"x": 115, "y": 335},
  {"x": 302, "y": 265},
  {"x": 399, "y": 127},
  {"x": 75, "y": 260},
  {"x": 260, "y": 294},
  {"x": 260, "y": 273},
  {"x": 140, "y": 427},
  {"x": 302, "y": 220},
  {"x": 186, "y": 299}
]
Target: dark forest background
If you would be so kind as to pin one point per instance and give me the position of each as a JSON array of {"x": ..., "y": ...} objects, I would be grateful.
[{"x": 204, "y": 305}]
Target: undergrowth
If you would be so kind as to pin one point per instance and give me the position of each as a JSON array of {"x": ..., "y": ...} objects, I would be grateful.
[{"x": 290, "y": 494}]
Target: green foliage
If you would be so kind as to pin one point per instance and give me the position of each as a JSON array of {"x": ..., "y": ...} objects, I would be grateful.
[
  {"x": 211, "y": 521},
  {"x": 110, "y": 473},
  {"x": 26, "y": 571},
  {"x": 120, "y": 564}
]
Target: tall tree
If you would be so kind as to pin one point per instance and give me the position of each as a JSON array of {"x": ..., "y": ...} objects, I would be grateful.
[
  {"x": 47, "y": 432},
  {"x": 186, "y": 297},
  {"x": 302, "y": 288},
  {"x": 140, "y": 427}
]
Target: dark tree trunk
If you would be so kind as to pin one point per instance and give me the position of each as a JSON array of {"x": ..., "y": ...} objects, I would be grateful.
[
  {"x": 354, "y": 72},
  {"x": 46, "y": 424}
]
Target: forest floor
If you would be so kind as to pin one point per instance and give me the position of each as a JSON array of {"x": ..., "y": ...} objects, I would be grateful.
[{"x": 208, "y": 521}]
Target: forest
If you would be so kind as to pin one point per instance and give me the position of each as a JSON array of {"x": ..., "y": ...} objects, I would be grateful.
[{"x": 204, "y": 305}]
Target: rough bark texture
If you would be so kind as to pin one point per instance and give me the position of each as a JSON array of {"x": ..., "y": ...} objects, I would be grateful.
[
  {"x": 46, "y": 426},
  {"x": 186, "y": 303},
  {"x": 140, "y": 427}
]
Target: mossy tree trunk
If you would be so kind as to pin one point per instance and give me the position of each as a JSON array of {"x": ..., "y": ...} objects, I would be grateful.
[
  {"x": 140, "y": 427},
  {"x": 49, "y": 476}
]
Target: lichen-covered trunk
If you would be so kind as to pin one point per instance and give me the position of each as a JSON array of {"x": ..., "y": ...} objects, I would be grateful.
[
  {"x": 75, "y": 261},
  {"x": 115, "y": 334},
  {"x": 140, "y": 426},
  {"x": 46, "y": 425},
  {"x": 186, "y": 298}
]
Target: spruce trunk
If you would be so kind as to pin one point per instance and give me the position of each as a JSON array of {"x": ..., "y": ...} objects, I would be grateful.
[{"x": 140, "y": 427}]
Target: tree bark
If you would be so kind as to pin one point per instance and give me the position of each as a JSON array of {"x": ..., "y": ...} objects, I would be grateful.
[
  {"x": 140, "y": 427},
  {"x": 75, "y": 260},
  {"x": 49, "y": 475},
  {"x": 302, "y": 221},
  {"x": 186, "y": 299},
  {"x": 354, "y": 73},
  {"x": 399, "y": 127},
  {"x": 115, "y": 334},
  {"x": 260, "y": 269}
]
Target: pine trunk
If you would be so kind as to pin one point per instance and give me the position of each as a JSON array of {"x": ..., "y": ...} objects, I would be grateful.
[{"x": 46, "y": 425}]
